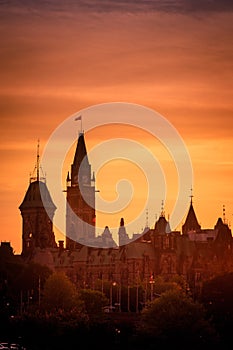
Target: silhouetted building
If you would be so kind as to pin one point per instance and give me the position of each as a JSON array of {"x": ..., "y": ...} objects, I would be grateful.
[
  {"x": 196, "y": 254},
  {"x": 37, "y": 210},
  {"x": 80, "y": 212}
]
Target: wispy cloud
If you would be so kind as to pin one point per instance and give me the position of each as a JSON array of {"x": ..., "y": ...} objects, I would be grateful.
[{"x": 131, "y": 6}]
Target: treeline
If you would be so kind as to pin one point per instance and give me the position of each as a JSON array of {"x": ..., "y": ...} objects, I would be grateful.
[{"x": 45, "y": 310}]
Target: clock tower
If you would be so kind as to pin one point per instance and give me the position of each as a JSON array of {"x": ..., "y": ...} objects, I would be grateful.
[{"x": 80, "y": 211}]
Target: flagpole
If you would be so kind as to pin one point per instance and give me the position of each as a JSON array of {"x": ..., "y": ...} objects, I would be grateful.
[{"x": 80, "y": 118}]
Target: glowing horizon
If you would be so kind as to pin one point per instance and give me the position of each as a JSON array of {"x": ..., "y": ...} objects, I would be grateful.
[{"x": 175, "y": 58}]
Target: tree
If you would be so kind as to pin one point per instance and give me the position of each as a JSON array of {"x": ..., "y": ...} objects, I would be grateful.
[
  {"x": 94, "y": 301},
  {"x": 174, "y": 318},
  {"x": 217, "y": 298},
  {"x": 60, "y": 294}
]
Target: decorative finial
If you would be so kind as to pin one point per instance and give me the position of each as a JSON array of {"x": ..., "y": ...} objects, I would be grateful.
[
  {"x": 224, "y": 214},
  {"x": 147, "y": 218},
  {"x": 191, "y": 195},
  {"x": 162, "y": 208},
  {"x": 38, "y": 161},
  {"x": 36, "y": 176}
]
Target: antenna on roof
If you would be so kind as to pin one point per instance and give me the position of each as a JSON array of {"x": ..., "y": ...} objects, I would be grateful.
[
  {"x": 37, "y": 166},
  {"x": 224, "y": 214}
]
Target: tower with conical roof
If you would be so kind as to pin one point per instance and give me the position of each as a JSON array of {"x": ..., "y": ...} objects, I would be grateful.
[
  {"x": 191, "y": 224},
  {"x": 80, "y": 212},
  {"x": 37, "y": 210}
]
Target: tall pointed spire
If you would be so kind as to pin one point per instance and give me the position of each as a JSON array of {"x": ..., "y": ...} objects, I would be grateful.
[
  {"x": 80, "y": 163},
  {"x": 191, "y": 222}
]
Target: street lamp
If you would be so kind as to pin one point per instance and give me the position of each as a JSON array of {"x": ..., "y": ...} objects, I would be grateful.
[
  {"x": 128, "y": 297},
  {"x": 151, "y": 281},
  {"x": 112, "y": 284}
]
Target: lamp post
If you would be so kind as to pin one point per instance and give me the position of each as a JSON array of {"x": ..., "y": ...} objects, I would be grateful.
[
  {"x": 39, "y": 291},
  {"x": 128, "y": 297},
  {"x": 113, "y": 284},
  {"x": 137, "y": 293},
  {"x": 120, "y": 297},
  {"x": 152, "y": 281},
  {"x": 111, "y": 296}
]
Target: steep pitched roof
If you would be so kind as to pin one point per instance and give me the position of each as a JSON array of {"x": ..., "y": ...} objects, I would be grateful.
[
  {"x": 191, "y": 223},
  {"x": 37, "y": 196},
  {"x": 81, "y": 151},
  {"x": 80, "y": 160},
  {"x": 223, "y": 233},
  {"x": 162, "y": 225}
]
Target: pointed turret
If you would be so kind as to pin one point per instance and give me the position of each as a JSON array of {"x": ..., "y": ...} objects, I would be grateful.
[
  {"x": 224, "y": 235},
  {"x": 191, "y": 224},
  {"x": 162, "y": 225},
  {"x": 107, "y": 240},
  {"x": 122, "y": 234}
]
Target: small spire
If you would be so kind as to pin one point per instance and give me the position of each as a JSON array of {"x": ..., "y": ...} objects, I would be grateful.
[
  {"x": 93, "y": 177},
  {"x": 147, "y": 218},
  {"x": 38, "y": 161},
  {"x": 191, "y": 195},
  {"x": 68, "y": 177},
  {"x": 122, "y": 223},
  {"x": 224, "y": 214},
  {"x": 162, "y": 209},
  {"x": 35, "y": 176}
]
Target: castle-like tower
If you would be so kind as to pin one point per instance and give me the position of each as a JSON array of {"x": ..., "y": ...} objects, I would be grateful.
[
  {"x": 196, "y": 254},
  {"x": 80, "y": 211},
  {"x": 37, "y": 210}
]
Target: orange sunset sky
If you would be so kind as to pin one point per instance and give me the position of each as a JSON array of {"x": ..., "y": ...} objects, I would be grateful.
[{"x": 175, "y": 57}]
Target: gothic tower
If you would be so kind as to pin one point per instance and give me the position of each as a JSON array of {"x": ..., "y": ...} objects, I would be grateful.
[
  {"x": 80, "y": 212},
  {"x": 37, "y": 210}
]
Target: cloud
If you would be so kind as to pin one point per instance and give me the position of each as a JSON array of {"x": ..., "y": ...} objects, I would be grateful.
[{"x": 61, "y": 7}]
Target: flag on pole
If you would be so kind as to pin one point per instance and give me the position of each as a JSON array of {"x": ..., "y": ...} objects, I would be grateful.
[{"x": 78, "y": 118}]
